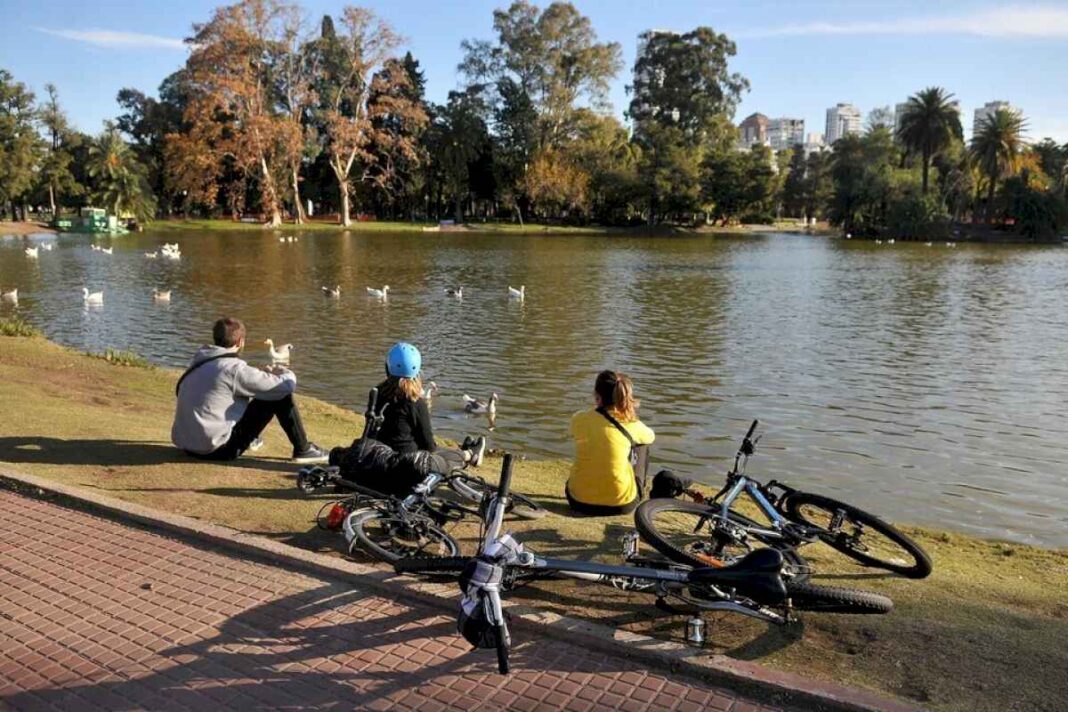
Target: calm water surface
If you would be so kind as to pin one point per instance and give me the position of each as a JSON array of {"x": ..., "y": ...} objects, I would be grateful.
[{"x": 928, "y": 384}]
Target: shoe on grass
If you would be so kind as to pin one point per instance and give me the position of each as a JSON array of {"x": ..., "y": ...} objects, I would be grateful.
[
  {"x": 478, "y": 451},
  {"x": 255, "y": 445},
  {"x": 313, "y": 454}
]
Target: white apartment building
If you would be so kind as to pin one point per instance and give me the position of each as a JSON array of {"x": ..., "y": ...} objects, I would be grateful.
[
  {"x": 784, "y": 133},
  {"x": 842, "y": 120}
]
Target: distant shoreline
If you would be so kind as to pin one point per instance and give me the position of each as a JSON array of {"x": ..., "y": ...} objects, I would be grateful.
[{"x": 21, "y": 229}]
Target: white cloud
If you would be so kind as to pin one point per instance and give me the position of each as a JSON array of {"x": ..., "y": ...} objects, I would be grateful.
[
  {"x": 117, "y": 40},
  {"x": 1010, "y": 22}
]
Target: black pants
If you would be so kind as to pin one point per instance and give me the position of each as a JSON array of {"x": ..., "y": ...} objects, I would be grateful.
[
  {"x": 258, "y": 416},
  {"x": 603, "y": 510}
]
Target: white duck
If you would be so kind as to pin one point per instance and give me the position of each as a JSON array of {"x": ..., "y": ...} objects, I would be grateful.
[
  {"x": 878, "y": 242},
  {"x": 281, "y": 239},
  {"x": 519, "y": 294},
  {"x": 457, "y": 292},
  {"x": 928, "y": 243},
  {"x": 951, "y": 244},
  {"x": 107, "y": 250},
  {"x": 152, "y": 255},
  {"x": 429, "y": 392},
  {"x": 161, "y": 296},
  {"x": 172, "y": 255},
  {"x": 95, "y": 248},
  {"x": 48, "y": 246},
  {"x": 474, "y": 405},
  {"x": 334, "y": 292},
  {"x": 94, "y": 298},
  {"x": 378, "y": 293},
  {"x": 280, "y": 354},
  {"x": 12, "y": 296},
  {"x": 31, "y": 252}
]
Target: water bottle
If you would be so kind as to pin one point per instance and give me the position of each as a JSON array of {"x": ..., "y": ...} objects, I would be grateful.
[{"x": 695, "y": 631}]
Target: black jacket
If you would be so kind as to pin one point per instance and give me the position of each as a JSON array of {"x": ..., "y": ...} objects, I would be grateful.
[
  {"x": 377, "y": 466},
  {"x": 406, "y": 425}
]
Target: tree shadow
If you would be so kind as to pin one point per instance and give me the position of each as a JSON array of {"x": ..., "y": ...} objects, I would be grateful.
[{"x": 113, "y": 453}]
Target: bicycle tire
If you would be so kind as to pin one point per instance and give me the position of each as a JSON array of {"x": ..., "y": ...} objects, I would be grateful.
[
  {"x": 793, "y": 562},
  {"x": 921, "y": 563},
  {"x": 520, "y": 506},
  {"x": 361, "y": 520},
  {"x": 502, "y": 649},
  {"x": 836, "y": 599}
]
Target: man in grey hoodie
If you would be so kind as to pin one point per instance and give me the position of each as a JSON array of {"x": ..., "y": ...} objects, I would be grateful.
[{"x": 224, "y": 403}]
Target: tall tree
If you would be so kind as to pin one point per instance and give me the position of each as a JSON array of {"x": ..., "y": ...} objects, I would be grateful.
[
  {"x": 551, "y": 56},
  {"x": 120, "y": 180},
  {"x": 862, "y": 171},
  {"x": 682, "y": 81},
  {"x": 996, "y": 145},
  {"x": 929, "y": 125},
  {"x": 293, "y": 74},
  {"x": 880, "y": 117},
  {"x": 350, "y": 61},
  {"x": 230, "y": 76},
  {"x": 19, "y": 143},
  {"x": 56, "y": 167},
  {"x": 455, "y": 139}
]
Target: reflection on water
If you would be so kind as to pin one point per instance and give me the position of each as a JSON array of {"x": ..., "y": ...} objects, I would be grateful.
[{"x": 925, "y": 383}]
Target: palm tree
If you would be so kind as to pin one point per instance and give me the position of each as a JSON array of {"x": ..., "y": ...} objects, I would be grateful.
[
  {"x": 929, "y": 124},
  {"x": 996, "y": 145},
  {"x": 121, "y": 183}
]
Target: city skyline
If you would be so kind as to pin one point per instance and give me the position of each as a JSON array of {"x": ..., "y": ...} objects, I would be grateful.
[{"x": 812, "y": 56}]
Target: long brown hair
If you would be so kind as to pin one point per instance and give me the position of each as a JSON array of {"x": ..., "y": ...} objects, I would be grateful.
[
  {"x": 396, "y": 388},
  {"x": 617, "y": 395}
]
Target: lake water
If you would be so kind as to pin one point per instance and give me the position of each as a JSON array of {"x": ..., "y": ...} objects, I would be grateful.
[{"x": 927, "y": 384}]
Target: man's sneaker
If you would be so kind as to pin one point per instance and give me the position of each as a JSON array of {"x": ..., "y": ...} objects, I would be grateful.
[
  {"x": 478, "y": 451},
  {"x": 468, "y": 443},
  {"x": 313, "y": 454},
  {"x": 255, "y": 445}
]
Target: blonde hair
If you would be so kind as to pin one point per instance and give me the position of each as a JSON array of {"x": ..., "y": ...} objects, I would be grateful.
[
  {"x": 397, "y": 388},
  {"x": 617, "y": 395}
]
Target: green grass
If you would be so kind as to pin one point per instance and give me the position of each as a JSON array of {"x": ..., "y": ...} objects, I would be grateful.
[
  {"x": 18, "y": 327},
  {"x": 118, "y": 357},
  {"x": 985, "y": 632}
]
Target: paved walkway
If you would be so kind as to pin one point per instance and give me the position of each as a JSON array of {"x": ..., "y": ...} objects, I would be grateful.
[{"x": 98, "y": 615}]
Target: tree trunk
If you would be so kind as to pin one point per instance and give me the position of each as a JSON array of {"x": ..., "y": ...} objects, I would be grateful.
[
  {"x": 270, "y": 195},
  {"x": 458, "y": 213},
  {"x": 990, "y": 201},
  {"x": 926, "y": 168},
  {"x": 52, "y": 200},
  {"x": 298, "y": 215},
  {"x": 343, "y": 189}
]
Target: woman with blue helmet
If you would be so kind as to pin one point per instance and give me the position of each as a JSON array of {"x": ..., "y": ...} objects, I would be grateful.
[{"x": 406, "y": 426}]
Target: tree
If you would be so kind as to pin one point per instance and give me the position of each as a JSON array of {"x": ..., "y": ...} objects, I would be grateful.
[
  {"x": 862, "y": 172},
  {"x": 349, "y": 77},
  {"x": 293, "y": 73},
  {"x": 556, "y": 183},
  {"x": 682, "y": 81},
  {"x": 19, "y": 143},
  {"x": 739, "y": 184},
  {"x": 1054, "y": 162},
  {"x": 996, "y": 145},
  {"x": 929, "y": 125},
  {"x": 233, "y": 111},
  {"x": 120, "y": 182},
  {"x": 148, "y": 122},
  {"x": 55, "y": 168},
  {"x": 601, "y": 146},
  {"x": 817, "y": 187},
  {"x": 881, "y": 117},
  {"x": 671, "y": 173},
  {"x": 552, "y": 57},
  {"x": 455, "y": 139}
]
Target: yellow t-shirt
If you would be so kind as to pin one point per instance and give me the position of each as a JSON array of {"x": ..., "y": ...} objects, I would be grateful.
[{"x": 602, "y": 474}]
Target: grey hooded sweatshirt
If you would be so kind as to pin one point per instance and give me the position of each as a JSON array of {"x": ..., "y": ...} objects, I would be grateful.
[{"x": 213, "y": 397}]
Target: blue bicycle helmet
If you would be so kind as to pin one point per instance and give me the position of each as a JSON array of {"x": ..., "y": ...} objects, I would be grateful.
[{"x": 403, "y": 360}]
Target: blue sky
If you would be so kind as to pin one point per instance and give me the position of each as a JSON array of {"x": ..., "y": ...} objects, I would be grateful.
[{"x": 800, "y": 57}]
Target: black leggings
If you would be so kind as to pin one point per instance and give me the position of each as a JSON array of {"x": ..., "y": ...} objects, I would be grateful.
[
  {"x": 603, "y": 510},
  {"x": 258, "y": 416}
]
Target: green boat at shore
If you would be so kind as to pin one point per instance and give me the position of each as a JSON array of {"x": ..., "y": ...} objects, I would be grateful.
[{"x": 91, "y": 221}]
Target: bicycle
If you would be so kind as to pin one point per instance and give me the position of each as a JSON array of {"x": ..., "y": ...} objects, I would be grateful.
[
  {"x": 390, "y": 527},
  {"x": 754, "y": 586},
  {"x": 708, "y": 532}
]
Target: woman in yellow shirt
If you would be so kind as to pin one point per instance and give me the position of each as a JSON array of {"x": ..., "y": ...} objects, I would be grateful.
[{"x": 602, "y": 479}]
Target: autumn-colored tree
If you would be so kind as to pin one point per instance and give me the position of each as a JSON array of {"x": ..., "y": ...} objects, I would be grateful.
[
  {"x": 555, "y": 183},
  {"x": 294, "y": 74},
  {"x": 349, "y": 77},
  {"x": 230, "y": 73}
]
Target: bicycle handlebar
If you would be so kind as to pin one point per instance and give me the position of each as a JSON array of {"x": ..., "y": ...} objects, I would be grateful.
[
  {"x": 752, "y": 429},
  {"x": 506, "y": 476}
]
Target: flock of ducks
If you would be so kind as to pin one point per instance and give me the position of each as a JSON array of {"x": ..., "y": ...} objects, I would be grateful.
[
  {"x": 168, "y": 251},
  {"x": 382, "y": 293},
  {"x": 891, "y": 241}
]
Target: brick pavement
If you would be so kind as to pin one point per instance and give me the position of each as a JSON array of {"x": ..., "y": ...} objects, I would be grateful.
[{"x": 95, "y": 614}]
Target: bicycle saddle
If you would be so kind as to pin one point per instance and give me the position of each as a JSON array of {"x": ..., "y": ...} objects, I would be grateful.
[{"x": 757, "y": 576}]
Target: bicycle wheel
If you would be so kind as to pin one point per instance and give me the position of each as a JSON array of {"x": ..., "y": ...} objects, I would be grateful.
[
  {"x": 859, "y": 535},
  {"x": 835, "y": 599},
  {"x": 520, "y": 506},
  {"x": 389, "y": 538},
  {"x": 686, "y": 532}
]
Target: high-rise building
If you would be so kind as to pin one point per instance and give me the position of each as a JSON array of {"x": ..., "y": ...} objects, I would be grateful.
[
  {"x": 842, "y": 119},
  {"x": 899, "y": 111},
  {"x": 784, "y": 133},
  {"x": 989, "y": 109},
  {"x": 754, "y": 130},
  {"x": 814, "y": 143}
]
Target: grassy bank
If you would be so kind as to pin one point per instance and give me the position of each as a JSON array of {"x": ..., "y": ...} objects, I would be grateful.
[
  {"x": 477, "y": 227},
  {"x": 28, "y": 227},
  {"x": 985, "y": 632}
]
